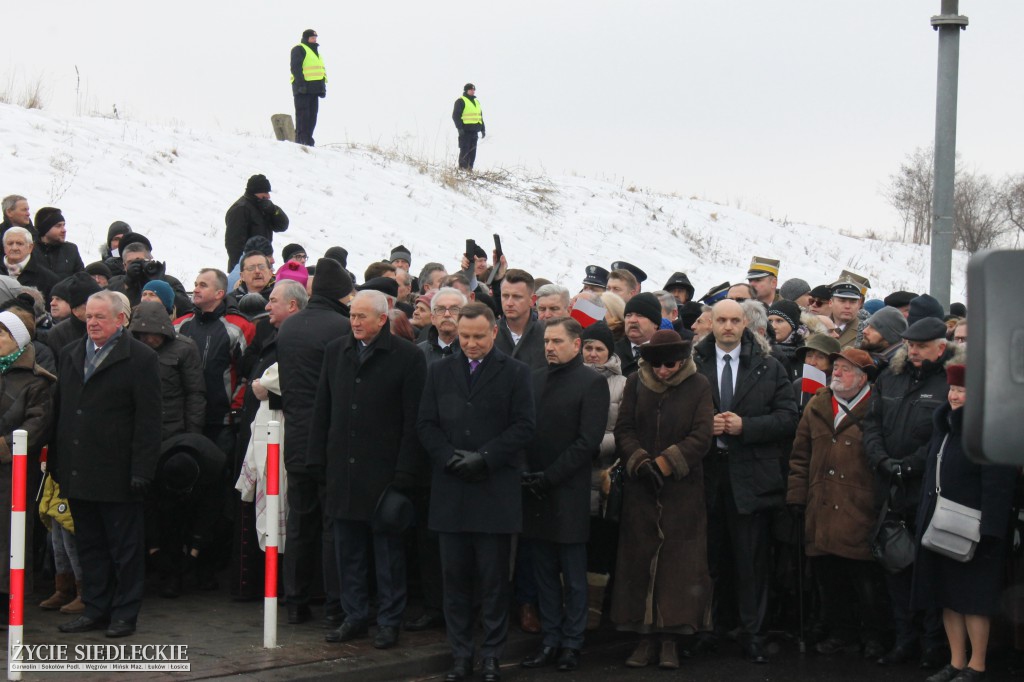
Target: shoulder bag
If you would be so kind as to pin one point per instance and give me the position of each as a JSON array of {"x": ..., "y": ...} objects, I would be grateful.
[
  {"x": 954, "y": 529},
  {"x": 892, "y": 545}
]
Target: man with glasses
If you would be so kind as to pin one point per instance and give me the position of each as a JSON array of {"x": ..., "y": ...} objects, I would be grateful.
[
  {"x": 294, "y": 252},
  {"x": 820, "y": 301},
  {"x": 443, "y": 334},
  {"x": 309, "y": 84},
  {"x": 257, "y": 276}
]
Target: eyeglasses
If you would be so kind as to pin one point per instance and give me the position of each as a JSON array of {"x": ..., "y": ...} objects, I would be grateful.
[
  {"x": 299, "y": 257},
  {"x": 960, "y": 339},
  {"x": 666, "y": 365},
  {"x": 255, "y": 268},
  {"x": 450, "y": 310},
  {"x": 819, "y": 301}
]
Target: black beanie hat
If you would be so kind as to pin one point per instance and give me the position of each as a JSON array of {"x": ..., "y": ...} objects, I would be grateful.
[
  {"x": 400, "y": 252},
  {"x": 259, "y": 243},
  {"x": 923, "y": 306},
  {"x": 331, "y": 280},
  {"x": 80, "y": 288},
  {"x": 467, "y": 87},
  {"x": 338, "y": 255},
  {"x": 787, "y": 310},
  {"x": 307, "y": 33},
  {"x": 599, "y": 331},
  {"x": 98, "y": 268},
  {"x": 290, "y": 250},
  {"x": 134, "y": 238},
  {"x": 258, "y": 184},
  {"x": 179, "y": 472},
  {"x": 46, "y": 218},
  {"x": 646, "y": 304},
  {"x": 62, "y": 290}
]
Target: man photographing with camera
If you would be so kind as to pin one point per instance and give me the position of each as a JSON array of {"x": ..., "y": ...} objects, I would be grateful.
[{"x": 141, "y": 269}]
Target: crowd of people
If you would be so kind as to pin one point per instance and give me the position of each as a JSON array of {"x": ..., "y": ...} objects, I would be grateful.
[{"x": 763, "y": 460}]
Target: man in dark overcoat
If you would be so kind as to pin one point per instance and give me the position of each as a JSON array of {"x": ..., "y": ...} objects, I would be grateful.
[
  {"x": 363, "y": 436},
  {"x": 104, "y": 456},
  {"x": 572, "y": 412},
  {"x": 476, "y": 416}
]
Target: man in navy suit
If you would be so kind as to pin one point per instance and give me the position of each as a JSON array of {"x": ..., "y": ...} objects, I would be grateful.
[{"x": 476, "y": 416}]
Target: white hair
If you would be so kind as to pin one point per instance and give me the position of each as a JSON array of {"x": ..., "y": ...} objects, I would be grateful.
[
  {"x": 447, "y": 291},
  {"x": 26, "y": 235},
  {"x": 378, "y": 300}
]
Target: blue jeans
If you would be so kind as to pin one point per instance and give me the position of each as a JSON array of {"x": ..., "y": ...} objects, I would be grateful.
[{"x": 351, "y": 539}]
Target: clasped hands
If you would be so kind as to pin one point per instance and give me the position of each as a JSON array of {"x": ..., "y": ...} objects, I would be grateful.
[
  {"x": 468, "y": 465},
  {"x": 727, "y": 423}
]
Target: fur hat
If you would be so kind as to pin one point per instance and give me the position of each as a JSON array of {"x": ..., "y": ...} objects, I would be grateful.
[{"x": 666, "y": 346}]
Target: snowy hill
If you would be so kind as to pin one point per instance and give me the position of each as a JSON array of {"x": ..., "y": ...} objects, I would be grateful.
[{"x": 174, "y": 185}]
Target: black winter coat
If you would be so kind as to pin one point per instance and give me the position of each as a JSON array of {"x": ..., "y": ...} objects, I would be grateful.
[
  {"x": 63, "y": 333},
  {"x": 250, "y": 217},
  {"x": 530, "y": 348},
  {"x": 35, "y": 275},
  {"x": 624, "y": 349},
  {"x": 764, "y": 399},
  {"x": 301, "y": 342},
  {"x": 108, "y": 429},
  {"x": 899, "y": 423},
  {"x": 432, "y": 350},
  {"x": 572, "y": 412},
  {"x": 61, "y": 259},
  {"x": 364, "y": 421},
  {"x": 496, "y": 417}
]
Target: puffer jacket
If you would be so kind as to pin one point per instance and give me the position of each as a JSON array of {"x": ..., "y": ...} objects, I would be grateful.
[{"x": 612, "y": 371}]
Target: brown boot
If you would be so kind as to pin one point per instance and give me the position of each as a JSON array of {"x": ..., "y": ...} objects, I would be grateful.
[
  {"x": 76, "y": 606},
  {"x": 64, "y": 593},
  {"x": 643, "y": 654},
  {"x": 596, "y": 585}
]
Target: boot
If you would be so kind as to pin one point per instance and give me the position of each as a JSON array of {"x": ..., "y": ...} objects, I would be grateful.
[
  {"x": 596, "y": 585},
  {"x": 76, "y": 606},
  {"x": 63, "y": 594}
]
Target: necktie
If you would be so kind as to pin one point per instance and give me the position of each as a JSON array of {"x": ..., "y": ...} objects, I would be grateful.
[
  {"x": 636, "y": 352},
  {"x": 473, "y": 364},
  {"x": 726, "y": 390},
  {"x": 447, "y": 350}
]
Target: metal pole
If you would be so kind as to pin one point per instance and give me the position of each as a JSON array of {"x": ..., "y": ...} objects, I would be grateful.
[
  {"x": 273, "y": 535},
  {"x": 16, "y": 605},
  {"x": 948, "y": 24}
]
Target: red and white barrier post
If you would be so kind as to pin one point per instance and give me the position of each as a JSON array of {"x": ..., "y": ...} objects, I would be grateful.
[
  {"x": 16, "y": 610},
  {"x": 273, "y": 517}
]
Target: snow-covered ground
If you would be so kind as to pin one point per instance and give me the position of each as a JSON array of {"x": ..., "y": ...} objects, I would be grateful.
[{"x": 173, "y": 184}]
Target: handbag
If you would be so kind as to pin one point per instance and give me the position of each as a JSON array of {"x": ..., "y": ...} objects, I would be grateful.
[
  {"x": 612, "y": 510},
  {"x": 892, "y": 545},
  {"x": 954, "y": 529}
]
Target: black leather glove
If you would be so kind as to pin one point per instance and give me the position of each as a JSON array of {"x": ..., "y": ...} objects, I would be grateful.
[
  {"x": 449, "y": 466},
  {"x": 891, "y": 467},
  {"x": 536, "y": 483},
  {"x": 650, "y": 474},
  {"x": 133, "y": 273},
  {"x": 483, "y": 134},
  {"x": 404, "y": 481},
  {"x": 472, "y": 468},
  {"x": 266, "y": 206},
  {"x": 139, "y": 486}
]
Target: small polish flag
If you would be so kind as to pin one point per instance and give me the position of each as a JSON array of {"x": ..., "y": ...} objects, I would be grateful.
[
  {"x": 812, "y": 379},
  {"x": 586, "y": 312}
]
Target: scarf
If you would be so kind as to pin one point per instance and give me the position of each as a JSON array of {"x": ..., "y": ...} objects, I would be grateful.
[
  {"x": 8, "y": 360},
  {"x": 838, "y": 414}
]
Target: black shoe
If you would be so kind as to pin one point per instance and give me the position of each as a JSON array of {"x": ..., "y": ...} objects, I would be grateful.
[
  {"x": 546, "y": 656},
  {"x": 170, "y": 586},
  {"x": 461, "y": 669},
  {"x": 428, "y": 621},
  {"x": 873, "y": 649},
  {"x": 945, "y": 675},
  {"x": 753, "y": 650},
  {"x": 934, "y": 657},
  {"x": 705, "y": 643},
  {"x": 969, "y": 674},
  {"x": 347, "y": 632},
  {"x": 836, "y": 645},
  {"x": 491, "y": 670},
  {"x": 568, "y": 660},
  {"x": 334, "y": 619},
  {"x": 387, "y": 637},
  {"x": 298, "y": 613},
  {"x": 120, "y": 628},
  {"x": 899, "y": 654},
  {"x": 82, "y": 624}
]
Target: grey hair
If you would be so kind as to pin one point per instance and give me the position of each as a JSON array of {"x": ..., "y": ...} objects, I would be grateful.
[
  {"x": 756, "y": 315},
  {"x": 18, "y": 230},
  {"x": 293, "y": 291},
  {"x": 669, "y": 304},
  {"x": 428, "y": 270},
  {"x": 378, "y": 300},
  {"x": 10, "y": 201},
  {"x": 447, "y": 291},
  {"x": 115, "y": 300},
  {"x": 554, "y": 290},
  {"x": 136, "y": 247}
]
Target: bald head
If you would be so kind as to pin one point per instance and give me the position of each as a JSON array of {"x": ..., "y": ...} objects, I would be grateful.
[{"x": 727, "y": 324}]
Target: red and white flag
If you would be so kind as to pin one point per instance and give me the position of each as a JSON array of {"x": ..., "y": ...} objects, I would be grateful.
[
  {"x": 586, "y": 312},
  {"x": 812, "y": 379}
]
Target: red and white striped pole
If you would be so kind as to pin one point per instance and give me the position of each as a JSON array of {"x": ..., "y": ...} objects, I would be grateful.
[
  {"x": 273, "y": 511},
  {"x": 16, "y": 610}
]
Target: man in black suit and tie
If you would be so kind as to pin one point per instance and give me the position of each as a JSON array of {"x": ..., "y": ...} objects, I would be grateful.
[{"x": 476, "y": 416}]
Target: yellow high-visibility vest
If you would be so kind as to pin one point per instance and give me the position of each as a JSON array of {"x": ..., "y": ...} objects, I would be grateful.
[
  {"x": 472, "y": 113},
  {"x": 312, "y": 66}
]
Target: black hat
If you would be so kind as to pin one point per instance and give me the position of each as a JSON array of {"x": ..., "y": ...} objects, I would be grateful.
[
  {"x": 331, "y": 280},
  {"x": 679, "y": 280},
  {"x": 134, "y": 238},
  {"x": 252, "y": 305},
  {"x": 307, "y": 33},
  {"x": 924, "y": 306},
  {"x": 385, "y": 285},
  {"x": 291, "y": 250},
  {"x": 118, "y": 227},
  {"x": 468, "y": 86},
  {"x": 647, "y": 305},
  {"x": 337, "y": 254},
  {"x": 846, "y": 290},
  {"x": 46, "y": 218},
  {"x": 640, "y": 275},
  {"x": 898, "y": 299},
  {"x": 258, "y": 243},
  {"x": 194, "y": 445},
  {"x": 666, "y": 345},
  {"x": 178, "y": 473},
  {"x": 958, "y": 309},
  {"x": 787, "y": 310},
  {"x": 394, "y": 512},
  {"x": 400, "y": 252},
  {"x": 716, "y": 294},
  {"x": 926, "y": 329},
  {"x": 80, "y": 288},
  {"x": 599, "y": 331},
  {"x": 257, "y": 184},
  {"x": 62, "y": 289},
  {"x": 596, "y": 276},
  {"x": 689, "y": 312},
  {"x": 822, "y": 292},
  {"x": 98, "y": 268}
]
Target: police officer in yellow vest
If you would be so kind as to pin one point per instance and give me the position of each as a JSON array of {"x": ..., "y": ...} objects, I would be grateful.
[
  {"x": 309, "y": 84},
  {"x": 469, "y": 119}
]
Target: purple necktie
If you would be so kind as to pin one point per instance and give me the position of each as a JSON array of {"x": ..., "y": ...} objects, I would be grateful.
[{"x": 473, "y": 364}]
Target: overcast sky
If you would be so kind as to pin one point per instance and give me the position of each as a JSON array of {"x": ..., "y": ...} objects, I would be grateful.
[{"x": 796, "y": 109}]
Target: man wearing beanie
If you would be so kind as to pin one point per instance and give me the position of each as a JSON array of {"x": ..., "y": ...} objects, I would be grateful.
[
  {"x": 301, "y": 341},
  {"x": 309, "y": 84},
  {"x": 796, "y": 290},
  {"x": 642, "y": 319},
  {"x": 79, "y": 289},
  {"x": 469, "y": 121},
  {"x": 161, "y": 291},
  {"x": 924, "y": 306},
  {"x": 401, "y": 257},
  {"x": 883, "y": 335},
  {"x": 254, "y": 214},
  {"x": 100, "y": 272},
  {"x": 294, "y": 252},
  {"x": 58, "y": 254}
]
